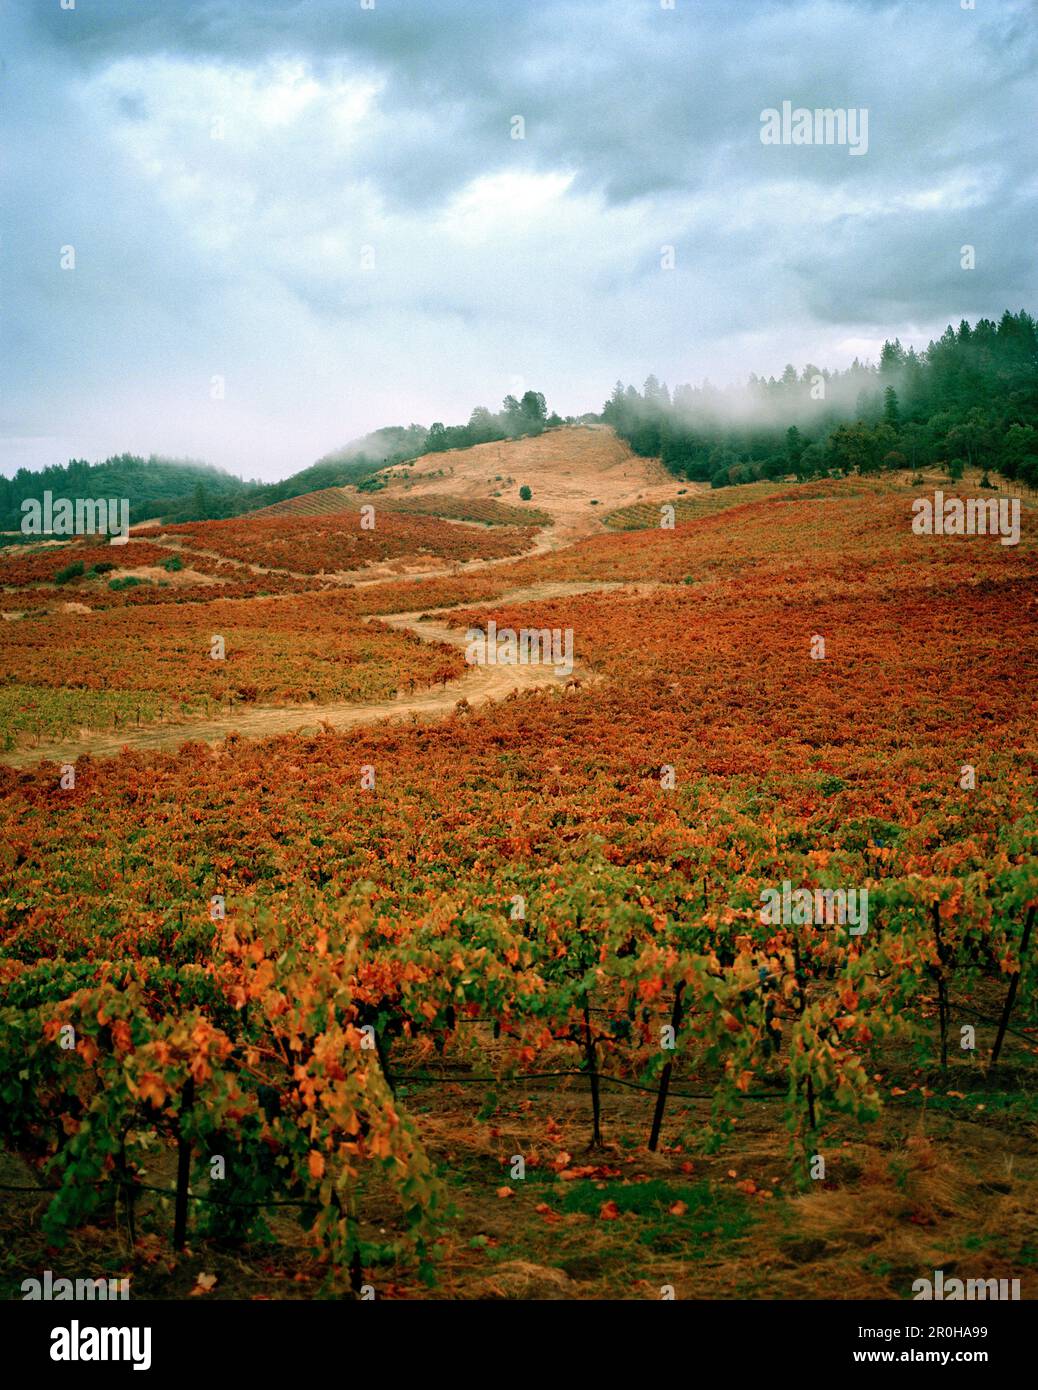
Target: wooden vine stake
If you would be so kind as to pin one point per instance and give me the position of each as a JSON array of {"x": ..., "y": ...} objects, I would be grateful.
[
  {"x": 802, "y": 1006},
  {"x": 592, "y": 1068},
  {"x": 382, "y": 1052},
  {"x": 356, "y": 1270},
  {"x": 127, "y": 1189},
  {"x": 348, "y": 1215},
  {"x": 942, "y": 986},
  {"x": 1014, "y": 985},
  {"x": 668, "y": 1067},
  {"x": 187, "y": 1101}
]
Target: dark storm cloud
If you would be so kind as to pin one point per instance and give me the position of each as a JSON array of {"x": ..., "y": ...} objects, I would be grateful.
[{"x": 495, "y": 258}]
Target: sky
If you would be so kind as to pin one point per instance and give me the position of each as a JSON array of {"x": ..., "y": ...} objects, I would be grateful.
[{"x": 294, "y": 221}]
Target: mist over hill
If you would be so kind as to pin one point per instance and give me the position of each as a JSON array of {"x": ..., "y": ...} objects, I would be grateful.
[
  {"x": 176, "y": 490},
  {"x": 969, "y": 400},
  {"x": 155, "y": 486}
]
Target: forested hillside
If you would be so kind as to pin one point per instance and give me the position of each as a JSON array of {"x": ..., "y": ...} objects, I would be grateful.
[
  {"x": 969, "y": 400},
  {"x": 155, "y": 487},
  {"x": 176, "y": 490}
]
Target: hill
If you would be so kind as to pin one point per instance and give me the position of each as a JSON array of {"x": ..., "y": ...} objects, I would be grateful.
[
  {"x": 177, "y": 490},
  {"x": 575, "y": 473},
  {"x": 154, "y": 486},
  {"x": 970, "y": 400}
]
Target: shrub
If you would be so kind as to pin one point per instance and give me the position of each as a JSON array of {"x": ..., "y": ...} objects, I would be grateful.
[
  {"x": 173, "y": 564},
  {"x": 128, "y": 581},
  {"x": 526, "y": 492},
  {"x": 102, "y": 567},
  {"x": 72, "y": 571}
]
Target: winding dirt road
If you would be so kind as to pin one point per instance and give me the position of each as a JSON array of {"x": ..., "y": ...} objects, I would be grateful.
[
  {"x": 478, "y": 685},
  {"x": 577, "y": 474}
]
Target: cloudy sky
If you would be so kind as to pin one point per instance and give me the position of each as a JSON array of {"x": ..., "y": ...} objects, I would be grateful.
[{"x": 322, "y": 203}]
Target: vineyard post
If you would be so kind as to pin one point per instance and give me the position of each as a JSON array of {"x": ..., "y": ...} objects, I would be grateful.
[
  {"x": 592, "y": 1066},
  {"x": 1014, "y": 985},
  {"x": 356, "y": 1270},
  {"x": 802, "y": 1007},
  {"x": 127, "y": 1187},
  {"x": 942, "y": 987},
  {"x": 352, "y": 1237},
  {"x": 382, "y": 1052},
  {"x": 183, "y": 1167},
  {"x": 661, "y": 1094}
]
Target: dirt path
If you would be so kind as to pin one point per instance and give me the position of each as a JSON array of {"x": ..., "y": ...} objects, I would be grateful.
[
  {"x": 547, "y": 539},
  {"x": 577, "y": 475},
  {"x": 477, "y": 685}
]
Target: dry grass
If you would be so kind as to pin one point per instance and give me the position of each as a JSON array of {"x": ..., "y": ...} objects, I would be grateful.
[{"x": 927, "y": 1187}]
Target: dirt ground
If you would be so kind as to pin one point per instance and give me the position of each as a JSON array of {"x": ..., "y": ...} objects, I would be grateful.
[
  {"x": 577, "y": 474},
  {"x": 941, "y": 1181},
  {"x": 478, "y": 685}
]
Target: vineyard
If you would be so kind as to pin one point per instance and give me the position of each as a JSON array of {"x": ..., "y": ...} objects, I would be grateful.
[
  {"x": 485, "y": 510},
  {"x": 41, "y": 565},
  {"x": 141, "y": 572},
  {"x": 324, "y": 502},
  {"x": 488, "y": 1006},
  {"x": 341, "y": 542},
  {"x": 518, "y": 669},
  {"x": 687, "y": 506},
  {"x": 134, "y": 664}
]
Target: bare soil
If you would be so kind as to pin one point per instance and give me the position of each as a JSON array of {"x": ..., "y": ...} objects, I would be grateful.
[{"x": 478, "y": 685}]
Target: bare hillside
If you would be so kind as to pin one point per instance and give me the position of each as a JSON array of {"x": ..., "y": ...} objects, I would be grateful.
[{"x": 577, "y": 474}]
